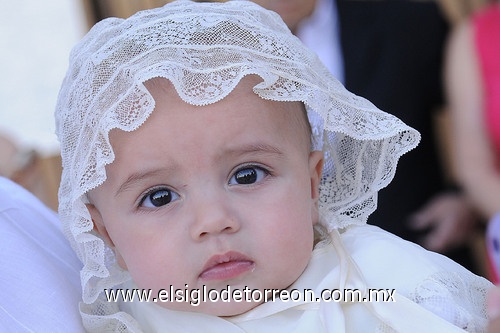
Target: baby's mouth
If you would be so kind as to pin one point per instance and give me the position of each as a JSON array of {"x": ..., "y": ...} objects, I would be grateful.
[{"x": 226, "y": 266}]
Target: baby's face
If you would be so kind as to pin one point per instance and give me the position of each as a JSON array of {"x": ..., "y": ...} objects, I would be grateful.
[{"x": 217, "y": 195}]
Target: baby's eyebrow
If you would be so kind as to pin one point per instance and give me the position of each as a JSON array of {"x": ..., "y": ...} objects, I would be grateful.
[
  {"x": 138, "y": 177},
  {"x": 254, "y": 148}
]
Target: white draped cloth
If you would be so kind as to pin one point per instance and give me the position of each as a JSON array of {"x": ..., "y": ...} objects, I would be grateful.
[
  {"x": 39, "y": 272},
  {"x": 431, "y": 294}
]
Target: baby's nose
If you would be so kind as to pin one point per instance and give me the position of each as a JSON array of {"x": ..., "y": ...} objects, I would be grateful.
[{"x": 212, "y": 216}]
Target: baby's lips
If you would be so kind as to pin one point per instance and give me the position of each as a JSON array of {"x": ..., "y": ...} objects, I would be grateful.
[{"x": 226, "y": 266}]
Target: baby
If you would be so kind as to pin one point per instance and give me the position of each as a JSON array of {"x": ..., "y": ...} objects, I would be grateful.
[{"x": 211, "y": 160}]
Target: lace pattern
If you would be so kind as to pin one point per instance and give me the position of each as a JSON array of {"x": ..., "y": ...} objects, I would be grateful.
[{"x": 442, "y": 292}]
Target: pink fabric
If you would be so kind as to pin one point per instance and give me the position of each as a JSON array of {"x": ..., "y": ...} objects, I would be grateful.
[{"x": 487, "y": 35}]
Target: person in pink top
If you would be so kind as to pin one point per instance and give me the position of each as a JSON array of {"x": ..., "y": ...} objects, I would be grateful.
[
  {"x": 473, "y": 88},
  {"x": 487, "y": 36}
]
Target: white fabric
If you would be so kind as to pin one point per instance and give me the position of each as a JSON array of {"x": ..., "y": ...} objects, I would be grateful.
[
  {"x": 205, "y": 49},
  {"x": 416, "y": 276},
  {"x": 320, "y": 32},
  {"x": 39, "y": 272}
]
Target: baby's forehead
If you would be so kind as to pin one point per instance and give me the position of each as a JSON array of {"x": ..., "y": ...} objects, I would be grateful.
[
  {"x": 287, "y": 117},
  {"x": 241, "y": 119}
]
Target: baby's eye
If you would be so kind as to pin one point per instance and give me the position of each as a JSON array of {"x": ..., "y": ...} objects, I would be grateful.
[
  {"x": 158, "y": 198},
  {"x": 248, "y": 175}
]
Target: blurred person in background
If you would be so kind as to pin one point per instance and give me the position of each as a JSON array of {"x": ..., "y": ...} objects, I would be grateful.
[
  {"x": 391, "y": 53},
  {"x": 473, "y": 89}
]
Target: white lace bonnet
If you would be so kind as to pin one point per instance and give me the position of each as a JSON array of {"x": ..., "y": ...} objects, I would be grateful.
[{"x": 205, "y": 49}]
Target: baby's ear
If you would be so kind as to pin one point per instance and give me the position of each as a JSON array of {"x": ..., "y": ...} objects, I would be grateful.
[
  {"x": 99, "y": 226},
  {"x": 315, "y": 169}
]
